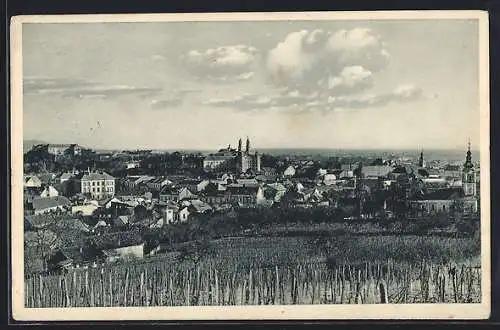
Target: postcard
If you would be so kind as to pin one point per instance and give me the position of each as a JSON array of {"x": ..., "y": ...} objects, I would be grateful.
[{"x": 240, "y": 166}]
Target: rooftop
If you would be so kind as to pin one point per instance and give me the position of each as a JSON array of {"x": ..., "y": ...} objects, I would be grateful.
[
  {"x": 49, "y": 202},
  {"x": 95, "y": 176}
]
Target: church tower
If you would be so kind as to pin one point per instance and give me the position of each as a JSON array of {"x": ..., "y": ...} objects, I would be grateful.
[
  {"x": 421, "y": 161},
  {"x": 247, "y": 149},
  {"x": 239, "y": 145},
  {"x": 469, "y": 175}
]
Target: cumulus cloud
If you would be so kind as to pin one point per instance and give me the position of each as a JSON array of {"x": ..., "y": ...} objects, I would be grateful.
[
  {"x": 350, "y": 79},
  {"x": 225, "y": 63},
  {"x": 347, "y": 58},
  {"x": 74, "y": 88}
]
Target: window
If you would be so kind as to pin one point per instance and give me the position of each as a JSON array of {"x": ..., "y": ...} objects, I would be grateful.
[{"x": 444, "y": 207}]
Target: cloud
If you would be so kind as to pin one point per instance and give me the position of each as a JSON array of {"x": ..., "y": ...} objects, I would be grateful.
[
  {"x": 402, "y": 93},
  {"x": 306, "y": 59},
  {"x": 74, "y": 88},
  {"x": 296, "y": 101},
  {"x": 223, "y": 64},
  {"x": 351, "y": 79},
  {"x": 175, "y": 98},
  {"x": 165, "y": 103}
]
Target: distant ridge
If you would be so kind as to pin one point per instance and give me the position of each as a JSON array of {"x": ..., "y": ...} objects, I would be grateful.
[{"x": 28, "y": 144}]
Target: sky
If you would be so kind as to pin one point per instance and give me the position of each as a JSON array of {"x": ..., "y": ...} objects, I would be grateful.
[{"x": 284, "y": 84}]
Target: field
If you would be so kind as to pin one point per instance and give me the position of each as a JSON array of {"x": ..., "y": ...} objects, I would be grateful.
[{"x": 278, "y": 270}]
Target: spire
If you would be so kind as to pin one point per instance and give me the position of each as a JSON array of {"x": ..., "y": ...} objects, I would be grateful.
[
  {"x": 247, "y": 149},
  {"x": 468, "y": 158},
  {"x": 239, "y": 145},
  {"x": 421, "y": 161}
]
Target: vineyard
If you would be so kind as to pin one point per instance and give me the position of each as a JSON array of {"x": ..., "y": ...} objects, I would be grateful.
[{"x": 206, "y": 283}]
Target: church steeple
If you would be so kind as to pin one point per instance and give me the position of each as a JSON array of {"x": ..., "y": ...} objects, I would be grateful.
[
  {"x": 239, "y": 145},
  {"x": 421, "y": 161},
  {"x": 247, "y": 149},
  {"x": 469, "y": 175},
  {"x": 468, "y": 159}
]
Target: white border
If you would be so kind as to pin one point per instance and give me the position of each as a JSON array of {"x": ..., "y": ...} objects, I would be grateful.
[{"x": 297, "y": 312}]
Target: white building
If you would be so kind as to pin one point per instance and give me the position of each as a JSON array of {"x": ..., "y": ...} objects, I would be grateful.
[
  {"x": 32, "y": 181},
  {"x": 97, "y": 184},
  {"x": 289, "y": 171},
  {"x": 49, "y": 191}
]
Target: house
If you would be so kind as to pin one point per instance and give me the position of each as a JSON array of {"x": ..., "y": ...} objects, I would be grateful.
[
  {"x": 185, "y": 193},
  {"x": 107, "y": 202},
  {"x": 289, "y": 171},
  {"x": 132, "y": 164},
  {"x": 32, "y": 181},
  {"x": 170, "y": 214},
  {"x": 198, "y": 206},
  {"x": 274, "y": 191},
  {"x": 121, "y": 221},
  {"x": 121, "y": 245},
  {"x": 184, "y": 214},
  {"x": 158, "y": 183},
  {"x": 329, "y": 179},
  {"x": 246, "y": 195},
  {"x": 268, "y": 171},
  {"x": 247, "y": 182},
  {"x": 96, "y": 184},
  {"x": 49, "y": 191},
  {"x": 50, "y": 204},
  {"x": 169, "y": 194},
  {"x": 66, "y": 176},
  {"x": 75, "y": 257},
  {"x": 86, "y": 209}
]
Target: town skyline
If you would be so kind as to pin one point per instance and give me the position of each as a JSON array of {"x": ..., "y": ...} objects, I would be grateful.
[
  {"x": 474, "y": 148},
  {"x": 298, "y": 84}
]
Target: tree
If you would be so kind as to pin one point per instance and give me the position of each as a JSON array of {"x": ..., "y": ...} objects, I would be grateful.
[{"x": 43, "y": 243}]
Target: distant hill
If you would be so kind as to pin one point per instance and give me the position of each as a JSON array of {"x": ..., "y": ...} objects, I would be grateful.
[{"x": 28, "y": 144}]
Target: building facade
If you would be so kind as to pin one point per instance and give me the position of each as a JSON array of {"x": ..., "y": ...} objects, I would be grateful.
[
  {"x": 62, "y": 149},
  {"x": 96, "y": 184},
  {"x": 246, "y": 160}
]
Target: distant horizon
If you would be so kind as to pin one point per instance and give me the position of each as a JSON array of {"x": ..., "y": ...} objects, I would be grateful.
[{"x": 366, "y": 148}]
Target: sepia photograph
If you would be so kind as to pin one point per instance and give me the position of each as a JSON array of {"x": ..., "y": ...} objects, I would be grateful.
[{"x": 322, "y": 165}]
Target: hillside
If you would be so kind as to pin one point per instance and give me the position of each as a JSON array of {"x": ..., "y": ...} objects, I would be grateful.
[{"x": 28, "y": 144}]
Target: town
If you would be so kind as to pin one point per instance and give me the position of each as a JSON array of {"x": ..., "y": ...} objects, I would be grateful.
[{"x": 84, "y": 208}]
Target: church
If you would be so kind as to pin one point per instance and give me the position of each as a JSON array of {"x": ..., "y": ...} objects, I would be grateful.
[
  {"x": 464, "y": 198},
  {"x": 247, "y": 162},
  {"x": 239, "y": 160}
]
